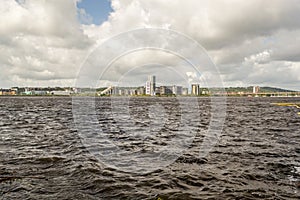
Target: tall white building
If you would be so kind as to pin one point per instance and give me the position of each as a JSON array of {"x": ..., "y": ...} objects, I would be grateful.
[
  {"x": 255, "y": 89},
  {"x": 195, "y": 89},
  {"x": 150, "y": 86}
]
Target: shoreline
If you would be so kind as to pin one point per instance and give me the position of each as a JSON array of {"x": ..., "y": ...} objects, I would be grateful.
[{"x": 187, "y": 96}]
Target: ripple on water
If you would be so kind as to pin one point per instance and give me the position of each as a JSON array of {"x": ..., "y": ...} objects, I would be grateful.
[{"x": 256, "y": 157}]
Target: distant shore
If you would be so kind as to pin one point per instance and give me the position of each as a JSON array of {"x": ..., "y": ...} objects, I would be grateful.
[{"x": 145, "y": 96}]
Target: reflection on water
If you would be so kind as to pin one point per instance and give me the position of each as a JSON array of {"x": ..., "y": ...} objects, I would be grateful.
[{"x": 257, "y": 156}]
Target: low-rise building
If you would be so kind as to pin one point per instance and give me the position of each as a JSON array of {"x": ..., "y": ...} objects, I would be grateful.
[
  {"x": 166, "y": 90},
  {"x": 185, "y": 91},
  {"x": 141, "y": 91},
  {"x": 60, "y": 93},
  {"x": 177, "y": 90},
  {"x": 39, "y": 92},
  {"x": 7, "y": 92}
]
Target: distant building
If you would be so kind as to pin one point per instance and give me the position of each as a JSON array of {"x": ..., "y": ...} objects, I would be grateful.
[
  {"x": 166, "y": 90},
  {"x": 195, "y": 89},
  {"x": 120, "y": 92},
  {"x": 39, "y": 92},
  {"x": 185, "y": 91},
  {"x": 114, "y": 90},
  {"x": 17, "y": 89},
  {"x": 157, "y": 91},
  {"x": 205, "y": 92},
  {"x": 150, "y": 86},
  {"x": 60, "y": 93},
  {"x": 133, "y": 92},
  {"x": 255, "y": 89},
  {"x": 141, "y": 91},
  {"x": 177, "y": 90},
  {"x": 76, "y": 90},
  {"x": 109, "y": 91},
  {"x": 7, "y": 92},
  {"x": 35, "y": 91}
]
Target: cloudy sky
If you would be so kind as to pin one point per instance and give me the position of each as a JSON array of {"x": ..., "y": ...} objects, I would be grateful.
[{"x": 47, "y": 42}]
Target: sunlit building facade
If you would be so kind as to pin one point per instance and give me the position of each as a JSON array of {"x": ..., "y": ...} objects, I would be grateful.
[
  {"x": 195, "y": 89},
  {"x": 150, "y": 86}
]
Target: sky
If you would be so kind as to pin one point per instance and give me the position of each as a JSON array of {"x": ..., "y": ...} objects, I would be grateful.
[
  {"x": 48, "y": 42},
  {"x": 94, "y": 11}
]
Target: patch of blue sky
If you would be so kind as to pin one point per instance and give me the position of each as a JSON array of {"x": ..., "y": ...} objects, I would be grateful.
[{"x": 93, "y": 11}]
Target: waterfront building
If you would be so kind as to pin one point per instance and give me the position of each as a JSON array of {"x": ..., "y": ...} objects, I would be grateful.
[
  {"x": 126, "y": 92},
  {"x": 133, "y": 92},
  {"x": 166, "y": 90},
  {"x": 177, "y": 90},
  {"x": 205, "y": 92},
  {"x": 7, "y": 92},
  {"x": 157, "y": 91},
  {"x": 17, "y": 89},
  {"x": 60, "y": 93},
  {"x": 195, "y": 89},
  {"x": 185, "y": 91},
  {"x": 147, "y": 87},
  {"x": 151, "y": 85},
  {"x": 76, "y": 90},
  {"x": 255, "y": 89},
  {"x": 108, "y": 91},
  {"x": 121, "y": 92},
  {"x": 39, "y": 92},
  {"x": 141, "y": 91}
]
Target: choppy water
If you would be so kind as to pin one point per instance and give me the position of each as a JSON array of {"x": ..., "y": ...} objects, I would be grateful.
[{"x": 257, "y": 155}]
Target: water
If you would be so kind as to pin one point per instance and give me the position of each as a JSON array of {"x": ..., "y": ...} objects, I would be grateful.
[{"x": 257, "y": 155}]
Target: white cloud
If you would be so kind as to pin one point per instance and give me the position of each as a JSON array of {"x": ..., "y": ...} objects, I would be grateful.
[
  {"x": 259, "y": 58},
  {"x": 41, "y": 42}
]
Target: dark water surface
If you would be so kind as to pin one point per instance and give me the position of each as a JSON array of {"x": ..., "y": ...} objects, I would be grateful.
[{"x": 257, "y": 155}]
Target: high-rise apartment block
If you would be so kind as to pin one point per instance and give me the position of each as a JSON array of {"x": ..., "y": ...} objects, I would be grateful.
[
  {"x": 195, "y": 89},
  {"x": 255, "y": 89},
  {"x": 150, "y": 86}
]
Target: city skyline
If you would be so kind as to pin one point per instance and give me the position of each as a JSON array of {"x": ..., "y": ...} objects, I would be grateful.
[{"x": 150, "y": 88}]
